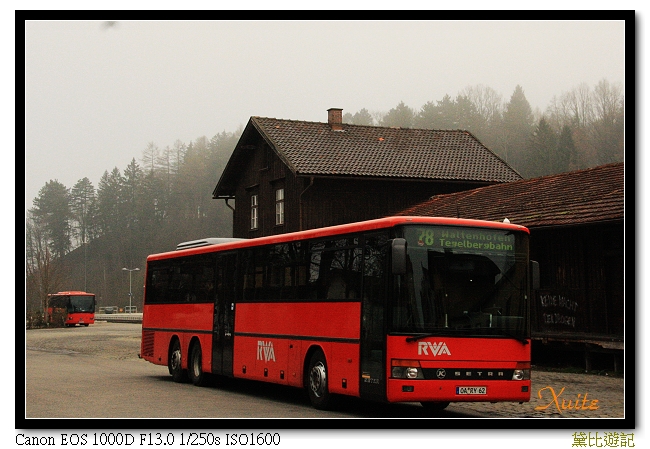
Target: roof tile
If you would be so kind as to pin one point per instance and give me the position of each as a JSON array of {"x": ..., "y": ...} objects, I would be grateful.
[
  {"x": 313, "y": 148},
  {"x": 579, "y": 197}
]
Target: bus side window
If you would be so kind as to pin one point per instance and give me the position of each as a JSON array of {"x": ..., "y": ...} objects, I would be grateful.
[
  {"x": 314, "y": 275},
  {"x": 301, "y": 280},
  {"x": 250, "y": 275},
  {"x": 335, "y": 273}
]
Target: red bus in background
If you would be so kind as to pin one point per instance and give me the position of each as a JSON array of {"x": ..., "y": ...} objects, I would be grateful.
[
  {"x": 398, "y": 309},
  {"x": 71, "y": 308}
]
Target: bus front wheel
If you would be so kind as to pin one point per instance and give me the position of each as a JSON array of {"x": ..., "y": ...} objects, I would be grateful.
[
  {"x": 317, "y": 388},
  {"x": 196, "y": 374},
  {"x": 174, "y": 364}
]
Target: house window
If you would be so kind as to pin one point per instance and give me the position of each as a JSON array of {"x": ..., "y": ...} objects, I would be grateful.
[
  {"x": 279, "y": 206},
  {"x": 254, "y": 215}
]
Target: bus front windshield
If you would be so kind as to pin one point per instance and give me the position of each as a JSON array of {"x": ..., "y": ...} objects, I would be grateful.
[
  {"x": 82, "y": 303},
  {"x": 463, "y": 281}
]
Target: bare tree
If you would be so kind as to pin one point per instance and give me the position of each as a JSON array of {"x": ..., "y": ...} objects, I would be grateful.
[
  {"x": 43, "y": 273},
  {"x": 596, "y": 120},
  {"x": 580, "y": 104},
  {"x": 150, "y": 157},
  {"x": 608, "y": 117},
  {"x": 487, "y": 102},
  {"x": 559, "y": 112}
]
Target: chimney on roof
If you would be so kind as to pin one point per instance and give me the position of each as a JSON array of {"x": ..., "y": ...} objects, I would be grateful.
[{"x": 335, "y": 118}]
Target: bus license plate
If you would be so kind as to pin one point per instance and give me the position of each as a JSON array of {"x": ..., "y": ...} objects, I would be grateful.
[{"x": 471, "y": 390}]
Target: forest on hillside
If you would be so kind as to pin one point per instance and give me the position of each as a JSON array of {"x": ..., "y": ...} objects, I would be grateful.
[{"x": 81, "y": 237}]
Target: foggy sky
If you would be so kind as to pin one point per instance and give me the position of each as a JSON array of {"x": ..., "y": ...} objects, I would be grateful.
[{"x": 95, "y": 96}]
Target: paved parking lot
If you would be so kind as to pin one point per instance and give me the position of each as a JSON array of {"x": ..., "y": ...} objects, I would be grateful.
[{"x": 554, "y": 394}]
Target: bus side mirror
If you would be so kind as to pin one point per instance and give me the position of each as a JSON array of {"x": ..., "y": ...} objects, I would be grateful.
[
  {"x": 534, "y": 274},
  {"x": 398, "y": 259}
]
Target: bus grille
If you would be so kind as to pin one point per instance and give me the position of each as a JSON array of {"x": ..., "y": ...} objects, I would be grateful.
[{"x": 147, "y": 343}]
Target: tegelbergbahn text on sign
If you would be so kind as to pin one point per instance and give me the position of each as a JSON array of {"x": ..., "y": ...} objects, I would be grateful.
[{"x": 398, "y": 309}]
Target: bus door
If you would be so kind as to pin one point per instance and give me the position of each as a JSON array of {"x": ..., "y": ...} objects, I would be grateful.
[
  {"x": 224, "y": 315},
  {"x": 373, "y": 312}
]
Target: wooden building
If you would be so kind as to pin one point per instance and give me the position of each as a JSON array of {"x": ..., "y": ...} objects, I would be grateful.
[
  {"x": 288, "y": 175},
  {"x": 576, "y": 221}
]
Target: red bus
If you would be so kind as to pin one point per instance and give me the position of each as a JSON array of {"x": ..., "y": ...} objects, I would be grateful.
[
  {"x": 71, "y": 308},
  {"x": 398, "y": 309}
]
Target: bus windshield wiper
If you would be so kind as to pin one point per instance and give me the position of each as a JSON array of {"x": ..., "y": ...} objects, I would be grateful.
[
  {"x": 417, "y": 337},
  {"x": 446, "y": 331}
]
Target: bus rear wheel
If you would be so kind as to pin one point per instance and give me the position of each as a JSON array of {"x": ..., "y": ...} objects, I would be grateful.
[
  {"x": 317, "y": 387},
  {"x": 195, "y": 371},
  {"x": 174, "y": 363}
]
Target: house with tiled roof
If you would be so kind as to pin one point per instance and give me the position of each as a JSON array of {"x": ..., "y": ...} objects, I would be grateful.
[
  {"x": 290, "y": 175},
  {"x": 576, "y": 221}
]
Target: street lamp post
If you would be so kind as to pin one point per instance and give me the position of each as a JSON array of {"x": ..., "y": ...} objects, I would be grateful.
[{"x": 130, "y": 292}]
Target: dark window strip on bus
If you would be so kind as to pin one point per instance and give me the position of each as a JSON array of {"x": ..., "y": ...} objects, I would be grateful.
[
  {"x": 300, "y": 301},
  {"x": 298, "y": 337},
  {"x": 319, "y": 270},
  {"x": 180, "y": 331}
]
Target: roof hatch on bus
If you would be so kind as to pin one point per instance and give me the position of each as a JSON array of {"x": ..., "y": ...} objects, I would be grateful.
[{"x": 205, "y": 242}]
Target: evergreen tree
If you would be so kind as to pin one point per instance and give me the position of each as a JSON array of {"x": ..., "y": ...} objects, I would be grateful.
[
  {"x": 517, "y": 127},
  {"x": 152, "y": 211},
  {"x": 467, "y": 117},
  {"x": 131, "y": 192},
  {"x": 361, "y": 117},
  {"x": 539, "y": 152},
  {"x": 220, "y": 147},
  {"x": 52, "y": 210},
  {"x": 400, "y": 116},
  {"x": 82, "y": 205},
  {"x": 565, "y": 155},
  {"x": 190, "y": 193},
  {"x": 445, "y": 116},
  {"x": 442, "y": 115},
  {"x": 426, "y": 117},
  {"x": 110, "y": 202}
]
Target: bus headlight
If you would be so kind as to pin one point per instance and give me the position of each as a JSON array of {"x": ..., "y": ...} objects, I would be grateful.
[
  {"x": 406, "y": 369},
  {"x": 521, "y": 372},
  {"x": 412, "y": 373}
]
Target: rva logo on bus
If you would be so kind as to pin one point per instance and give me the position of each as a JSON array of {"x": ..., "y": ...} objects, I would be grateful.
[
  {"x": 265, "y": 351},
  {"x": 436, "y": 348}
]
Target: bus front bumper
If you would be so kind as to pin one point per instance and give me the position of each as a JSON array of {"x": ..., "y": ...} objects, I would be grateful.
[{"x": 421, "y": 390}]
